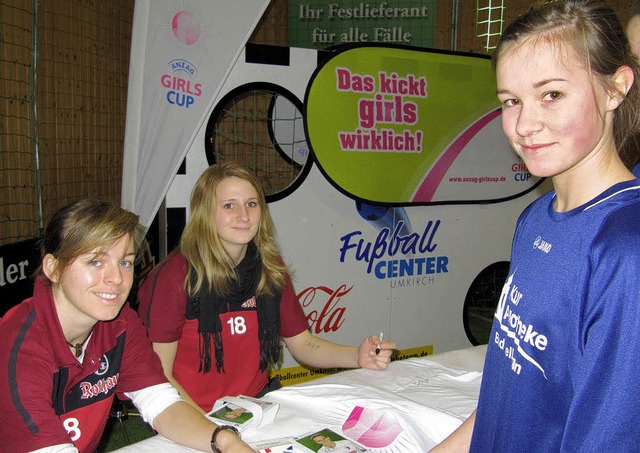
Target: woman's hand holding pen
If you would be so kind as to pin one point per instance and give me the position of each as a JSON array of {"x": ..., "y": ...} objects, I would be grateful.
[{"x": 375, "y": 353}]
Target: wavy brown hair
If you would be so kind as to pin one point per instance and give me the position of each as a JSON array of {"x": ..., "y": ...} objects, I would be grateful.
[{"x": 201, "y": 245}]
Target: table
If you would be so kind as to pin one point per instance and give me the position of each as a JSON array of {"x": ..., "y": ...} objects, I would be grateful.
[{"x": 418, "y": 401}]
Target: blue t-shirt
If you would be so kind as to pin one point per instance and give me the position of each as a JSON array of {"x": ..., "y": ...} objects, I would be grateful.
[{"x": 562, "y": 371}]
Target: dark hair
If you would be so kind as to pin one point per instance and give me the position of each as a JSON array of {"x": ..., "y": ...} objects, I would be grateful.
[
  {"x": 593, "y": 31},
  {"x": 83, "y": 226}
]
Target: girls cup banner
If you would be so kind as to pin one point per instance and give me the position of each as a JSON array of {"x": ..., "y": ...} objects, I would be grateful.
[
  {"x": 400, "y": 125},
  {"x": 181, "y": 53}
]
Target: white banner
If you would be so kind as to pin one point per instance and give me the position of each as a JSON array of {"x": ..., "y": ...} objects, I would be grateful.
[{"x": 181, "y": 53}]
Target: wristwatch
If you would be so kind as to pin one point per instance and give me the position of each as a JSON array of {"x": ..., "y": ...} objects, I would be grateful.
[{"x": 216, "y": 431}]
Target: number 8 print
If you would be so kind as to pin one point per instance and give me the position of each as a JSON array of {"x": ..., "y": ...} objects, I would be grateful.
[{"x": 73, "y": 428}]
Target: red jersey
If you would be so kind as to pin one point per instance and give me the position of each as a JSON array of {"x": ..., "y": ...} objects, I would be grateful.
[
  {"x": 47, "y": 396},
  {"x": 163, "y": 308}
]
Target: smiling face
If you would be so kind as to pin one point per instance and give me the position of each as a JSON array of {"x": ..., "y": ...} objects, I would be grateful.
[
  {"x": 237, "y": 215},
  {"x": 554, "y": 113},
  {"x": 234, "y": 413},
  {"x": 323, "y": 440},
  {"x": 95, "y": 285}
]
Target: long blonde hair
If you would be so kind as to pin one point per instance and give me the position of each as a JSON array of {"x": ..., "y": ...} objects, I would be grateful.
[{"x": 201, "y": 245}]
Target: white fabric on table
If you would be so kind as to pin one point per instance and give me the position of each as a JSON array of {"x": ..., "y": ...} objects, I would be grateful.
[{"x": 428, "y": 398}]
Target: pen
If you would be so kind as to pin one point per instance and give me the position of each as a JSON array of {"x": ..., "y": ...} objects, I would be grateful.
[{"x": 378, "y": 347}]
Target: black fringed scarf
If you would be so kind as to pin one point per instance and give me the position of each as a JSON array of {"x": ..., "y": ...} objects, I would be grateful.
[{"x": 207, "y": 306}]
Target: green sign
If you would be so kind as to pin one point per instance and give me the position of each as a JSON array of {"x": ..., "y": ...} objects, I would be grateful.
[{"x": 323, "y": 24}]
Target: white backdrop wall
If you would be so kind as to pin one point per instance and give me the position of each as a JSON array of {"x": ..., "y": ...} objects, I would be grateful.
[{"x": 344, "y": 297}]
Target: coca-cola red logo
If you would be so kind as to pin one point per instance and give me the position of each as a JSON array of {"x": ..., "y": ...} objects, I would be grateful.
[{"x": 331, "y": 316}]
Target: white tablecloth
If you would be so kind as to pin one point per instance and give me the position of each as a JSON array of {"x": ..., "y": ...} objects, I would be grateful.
[{"x": 408, "y": 408}]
